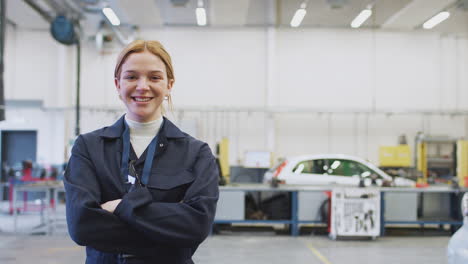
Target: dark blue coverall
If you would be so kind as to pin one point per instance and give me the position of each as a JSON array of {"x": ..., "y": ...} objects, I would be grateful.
[{"x": 162, "y": 222}]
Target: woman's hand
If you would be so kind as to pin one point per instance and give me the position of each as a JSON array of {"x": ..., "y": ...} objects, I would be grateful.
[{"x": 110, "y": 205}]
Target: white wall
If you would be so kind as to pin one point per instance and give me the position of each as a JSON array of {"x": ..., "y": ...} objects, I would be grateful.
[
  {"x": 345, "y": 69},
  {"x": 35, "y": 66},
  {"x": 324, "y": 69},
  {"x": 50, "y": 127},
  {"x": 316, "y": 69}
]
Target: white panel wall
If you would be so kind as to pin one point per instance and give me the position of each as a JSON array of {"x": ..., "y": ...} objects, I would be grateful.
[
  {"x": 462, "y": 69},
  {"x": 332, "y": 69},
  {"x": 324, "y": 69},
  {"x": 301, "y": 134},
  {"x": 407, "y": 71},
  {"x": 342, "y": 70},
  {"x": 449, "y": 82},
  {"x": 97, "y": 78},
  {"x": 355, "y": 70},
  {"x": 62, "y": 92},
  {"x": 35, "y": 65}
]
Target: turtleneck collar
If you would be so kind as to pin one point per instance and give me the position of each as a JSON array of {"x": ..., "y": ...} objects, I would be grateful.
[{"x": 144, "y": 129}]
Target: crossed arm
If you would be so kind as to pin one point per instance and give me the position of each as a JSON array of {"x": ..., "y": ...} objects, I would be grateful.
[{"x": 134, "y": 224}]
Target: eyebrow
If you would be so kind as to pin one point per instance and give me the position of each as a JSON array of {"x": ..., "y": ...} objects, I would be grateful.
[{"x": 151, "y": 72}]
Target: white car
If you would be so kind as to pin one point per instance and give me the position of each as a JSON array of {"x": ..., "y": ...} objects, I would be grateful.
[{"x": 330, "y": 169}]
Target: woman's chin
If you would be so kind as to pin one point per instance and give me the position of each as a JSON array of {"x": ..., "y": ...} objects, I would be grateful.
[{"x": 143, "y": 117}]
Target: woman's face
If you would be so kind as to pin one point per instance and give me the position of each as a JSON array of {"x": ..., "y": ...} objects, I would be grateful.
[{"x": 142, "y": 86}]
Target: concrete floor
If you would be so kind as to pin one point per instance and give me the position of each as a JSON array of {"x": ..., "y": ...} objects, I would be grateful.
[
  {"x": 249, "y": 249},
  {"x": 229, "y": 247}
]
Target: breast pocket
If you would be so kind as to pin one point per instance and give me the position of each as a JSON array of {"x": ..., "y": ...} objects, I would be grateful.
[{"x": 169, "y": 185}]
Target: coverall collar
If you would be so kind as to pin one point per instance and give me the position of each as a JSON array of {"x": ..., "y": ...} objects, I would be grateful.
[{"x": 169, "y": 130}]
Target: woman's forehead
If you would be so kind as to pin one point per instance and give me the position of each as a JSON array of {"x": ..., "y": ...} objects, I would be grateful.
[{"x": 143, "y": 60}]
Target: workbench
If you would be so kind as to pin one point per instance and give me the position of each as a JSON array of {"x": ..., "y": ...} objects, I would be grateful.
[
  {"x": 231, "y": 208},
  {"x": 48, "y": 205},
  {"x": 231, "y": 204}
]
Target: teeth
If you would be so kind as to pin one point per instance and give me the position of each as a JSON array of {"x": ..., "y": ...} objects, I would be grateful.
[{"x": 142, "y": 99}]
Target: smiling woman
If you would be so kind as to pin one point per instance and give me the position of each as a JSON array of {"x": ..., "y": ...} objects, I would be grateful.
[
  {"x": 144, "y": 77},
  {"x": 141, "y": 190}
]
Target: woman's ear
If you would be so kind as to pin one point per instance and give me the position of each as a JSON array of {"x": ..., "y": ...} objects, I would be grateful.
[
  {"x": 117, "y": 86},
  {"x": 170, "y": 84}
]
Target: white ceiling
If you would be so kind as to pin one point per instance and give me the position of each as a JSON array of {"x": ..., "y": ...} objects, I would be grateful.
[{"x": 388, "y": 14}]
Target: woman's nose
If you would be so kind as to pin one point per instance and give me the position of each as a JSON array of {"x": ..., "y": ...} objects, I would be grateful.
[{"x": 142, "y": 84}]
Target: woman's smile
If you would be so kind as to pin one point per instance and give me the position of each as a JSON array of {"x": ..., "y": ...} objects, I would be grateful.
[{"x": 141, "y": 99}]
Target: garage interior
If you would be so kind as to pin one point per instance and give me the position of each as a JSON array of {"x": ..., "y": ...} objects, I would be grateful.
[{"x": 316, "y": 110}]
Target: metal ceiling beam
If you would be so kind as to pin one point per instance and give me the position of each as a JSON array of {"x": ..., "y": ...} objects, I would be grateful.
[
  {"x": 44, "y": 14},
  {"x": 58, "y": 8}
]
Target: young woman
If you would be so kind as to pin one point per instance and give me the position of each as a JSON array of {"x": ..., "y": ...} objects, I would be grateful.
[{"x": 141, "y": 190}]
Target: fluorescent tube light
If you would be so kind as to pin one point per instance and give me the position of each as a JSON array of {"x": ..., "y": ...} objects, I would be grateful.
[
  {"x": 201, "y": 16},
  {"x": 435, "y": 20},
  {"x": 109, "y": 13},
  {"x": 298, "y": 16},
  {"x": 361, "y": 18}
]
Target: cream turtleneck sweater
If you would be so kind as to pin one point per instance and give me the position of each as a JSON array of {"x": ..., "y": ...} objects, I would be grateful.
[{"x": 141, "y": 134}]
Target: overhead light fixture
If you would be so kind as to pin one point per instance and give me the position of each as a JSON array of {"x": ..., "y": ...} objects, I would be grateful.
[
  {"x": 361, "y": 18},
  {"x": 435, "y": 20},
  {"x": 299, "y": 16},
  {"x": 201, "y": 14},
  {"x": 111, "y": 16}
]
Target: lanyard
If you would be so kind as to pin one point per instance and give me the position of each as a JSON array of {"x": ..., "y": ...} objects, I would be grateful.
[{"x": 126, "y": 155}]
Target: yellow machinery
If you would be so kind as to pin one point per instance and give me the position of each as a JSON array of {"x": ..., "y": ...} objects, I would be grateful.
[
  {"x": 395, "y": 156},
  {"x": 462, "y": 162},
  {"x": 223, "y": 157},
  {"x": 421, "y": 160},
  {"x": 436, "y": 156}
]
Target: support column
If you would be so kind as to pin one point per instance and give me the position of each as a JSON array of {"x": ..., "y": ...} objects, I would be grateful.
[{"x": 2, "y": 49}]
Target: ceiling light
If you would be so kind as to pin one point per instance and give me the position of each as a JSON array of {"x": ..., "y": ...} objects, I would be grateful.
[
  {"x": 435, "y": 20},
  {"x": 111, "y": 16},
  {"x": 201, "y": 16},
  {"x": 298, "y": 16},
  {"x": 361, "y": 18}
]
